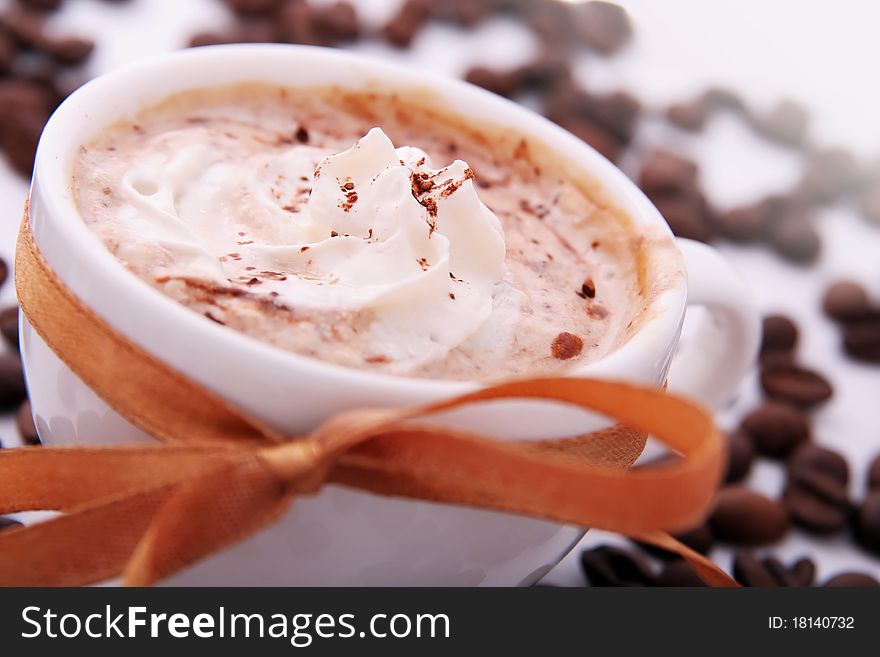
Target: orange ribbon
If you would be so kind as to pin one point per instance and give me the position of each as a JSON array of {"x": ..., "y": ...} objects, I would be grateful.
[{"x": 218, "y": 475}]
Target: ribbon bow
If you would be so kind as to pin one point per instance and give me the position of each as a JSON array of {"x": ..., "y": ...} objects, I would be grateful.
[{"x": 219, "y": 475}]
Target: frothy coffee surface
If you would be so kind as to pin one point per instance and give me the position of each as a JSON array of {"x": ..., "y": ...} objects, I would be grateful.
[{"x": 365, "y": 231}]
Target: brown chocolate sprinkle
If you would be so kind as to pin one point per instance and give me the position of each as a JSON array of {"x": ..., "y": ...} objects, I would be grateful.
[
  {"x": 333, "y": 233},
  {"x": 302, "y": 135},
  {"x": 421, "y": 184},
  {"x": 304, "y": 249},
  {"x": 566, "y": 345},
  {"x": 588, "y": 289},
  {"x": 254, "y": 281},
  {"x": 423, "y": 263},
  {"x": 452, "y": 296},
  {"x": 376, "y": 360}
]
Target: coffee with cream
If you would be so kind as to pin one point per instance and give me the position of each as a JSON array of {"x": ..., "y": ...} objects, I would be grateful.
[{"x": 366, "y": 230}]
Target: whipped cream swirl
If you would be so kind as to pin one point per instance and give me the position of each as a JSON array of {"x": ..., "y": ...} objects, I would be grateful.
[{"x": 372, "y": 229}]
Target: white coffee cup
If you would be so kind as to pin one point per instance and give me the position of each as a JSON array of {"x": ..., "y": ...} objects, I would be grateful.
[{"x": 341, "y": 536}]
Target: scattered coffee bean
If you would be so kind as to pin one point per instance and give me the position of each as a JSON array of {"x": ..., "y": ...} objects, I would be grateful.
[
  {"x": 830, "y": 174},
  {"x": 8, "y": 523},
  {"x": 795, "y": 384},
  {"x": 253, "y": 6},
  {"x": 796, "y": 240},
  {"x": 846, "y": 300},
  {"x": 779, "y": 572},
  {"x": 405, "y": 25},
  {"x": 719, "y": 98},
  {"x": 678, "y": 573},
  {"x": 813, "y": 458},
  {"x": 9, "y": 325},
  {"x": 594, "y": 135},
  {"x": 743, "y": 224},
  {"x": 776, "y": 428},
  {"x": 566, "y": 345},
  {"x": 24, "y": 421},
  {"x": 605, "y": 27},
  {"x": 861, "y": 339},
  {"x": 699, "y": 538},
  {"x": 688, "y": 215},
  {"x": 870, "y": 203},
  {"x": 691, "y": 115},
  {"x": 740, "y": 454},
  {"x": 612, "y": 566},
  {"x": 786, "y": 123},
  {"x": 665, "y": 172},
  {"x": 12, "y": 390},
  {"x": 4, "y": 271},
  {"x": 502, "y": 83},
  {"x": 852, "y": 580},
  {"x": 8, "y": 53},
  {"x": 750, "y": 571},
  {"x": 804, "y": 572},
  {"x": 71, "y": 51},
  {"x": 813, "y": 503},
  {"x": 335, "y": 23},
  {"x": 744, "y": 517},
  {"x": 779, "y": 334},
  {"x": 867, "y": 522},
  {"x": 547, "y": 71},
  {"x": 874, "y": 473}
]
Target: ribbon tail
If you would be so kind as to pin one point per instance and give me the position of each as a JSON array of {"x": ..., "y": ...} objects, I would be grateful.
[
  {"x": 708, "y": 571},
  {"x": 213, "y": 510},
  {"x": 90, "y": 544}
]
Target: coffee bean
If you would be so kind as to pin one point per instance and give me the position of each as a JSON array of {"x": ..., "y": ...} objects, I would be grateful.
[
  {"x": 691, "y": 115},
  {"x": 593, "y": 134},
  {"x": 719, "y": 98},
  {"x": 24, "y": 421},
  {"x": 699, "y": 538},
  {"x": 678, "y": 573},
  {"x": 405, "y": 25},
  {"x": 12, "y": 390},
  {"x": 740, "y": 454},
  {"x": 812, "y": 511},
  {"x": 8, "y": 523},
  {"x": 503, "y": 83},
  {"x": 870, "y": 203},
  {"x": 335, "y": 23},
  {"x": 551, "y": 22},
  {"x": 8, "y": 53},
  {"x": 846, "y": 300},
  {"x": 688, "y": 215},
  {"x": 466, "y": 13},
  {"x": 804, "y": 572},
  {"x": 776, "y": 428},
  {"x": 547, "y": 71},
  {"x": 867, "y": 522},
  {"x": 780, "y": 333},
  {"x": 253, "y": 6},
  {"x": 796, "y": 240},
  {"x": 605, "y": 27},
  {"x": 71, "y": 51},
  {"x": 9, "y": 325},
  {"x": 874, "y": 473},
  {"x": 852, "y": 580},
  {"x": 612, "y": 566},
  {"x": 743, "y": 224},
  {"x": 861, "y": 339},
  {"x": 779, "y": 572},
  {"x": 294, "y": 22},
  {"x": 786, "y": 123},
  {"x": 795, "y": 384},
  {"x": 19, "y": 137},
  {"x": 664, "y": 172},
  {"x": 4, "y": 271},
  {"x": 813, "y": 458},
  {"x": 744, "y": 517},
  {"x": 750, "y": 571},
  {"x": 200, "y": 39},
  {"x": 830, "y": 174}
]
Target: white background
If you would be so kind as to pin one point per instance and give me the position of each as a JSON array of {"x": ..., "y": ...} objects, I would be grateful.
[{"x": 823, "y": 54}]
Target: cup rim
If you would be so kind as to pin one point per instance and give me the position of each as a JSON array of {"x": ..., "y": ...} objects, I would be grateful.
[{"x": 52, "y": 179}]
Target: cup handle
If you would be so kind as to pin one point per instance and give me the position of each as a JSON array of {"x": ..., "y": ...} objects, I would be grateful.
[{"x": 713, "y": 359}]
